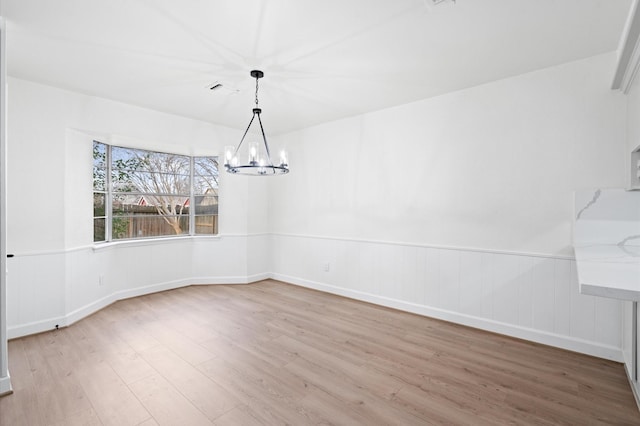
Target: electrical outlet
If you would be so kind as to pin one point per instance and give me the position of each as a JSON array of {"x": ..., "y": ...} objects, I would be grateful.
[
  {"x": 101, "y": 280},
  {"x": 326, "y": 266}
]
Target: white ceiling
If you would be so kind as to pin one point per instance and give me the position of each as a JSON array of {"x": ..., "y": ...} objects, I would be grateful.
[{"x": 323, "y": 59}]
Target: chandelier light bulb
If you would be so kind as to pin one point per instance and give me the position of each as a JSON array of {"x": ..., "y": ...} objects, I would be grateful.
[
  {"x": 228, "y": 154},
  {"x": 253, "y": 153}
]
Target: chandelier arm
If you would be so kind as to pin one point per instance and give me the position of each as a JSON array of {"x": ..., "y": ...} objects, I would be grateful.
[
  {"x": 264, "y": 138},
  {"x": 245, "y": 133}
]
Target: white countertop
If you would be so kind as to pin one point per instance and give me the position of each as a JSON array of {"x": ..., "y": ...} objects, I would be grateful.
[
  {"x": 606, "y": 239},
  {"x": 609, "y": 270}
]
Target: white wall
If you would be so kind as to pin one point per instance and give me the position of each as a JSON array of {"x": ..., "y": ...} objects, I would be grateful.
[
  {"x": 57, "y": 276},
  {"x": 491, "y": 167},
  {"x": 461, "y": 206}
]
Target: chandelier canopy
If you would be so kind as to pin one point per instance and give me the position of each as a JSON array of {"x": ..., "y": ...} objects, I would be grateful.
[{"x": 257, "y": 154}]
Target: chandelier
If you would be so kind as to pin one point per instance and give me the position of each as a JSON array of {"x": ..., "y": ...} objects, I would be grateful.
[{"x": 257, "y": 154}]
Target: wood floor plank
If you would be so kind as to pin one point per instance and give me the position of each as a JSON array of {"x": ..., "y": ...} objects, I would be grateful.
[
  {"x": 110, "y": 397},
  {"x": 370, "y": 408},
  {"x": 149, "y": 422},
  {"x": 188, "y": 350},
  {"x": 242, "y": 415},
  {"x": 22, "y": 408},
  {"x": 59, "y": 395},
  {"x": 20, "y": 370},
  {"x": 333, "y": 411},
  {"x": 114, "y": 351},
  {"x": 82, "y": 418},
  {"x": 166, "y": 404},
  {"x": 271, "y": 353},
  {"x": 205, "y": 394},
  {"x": 271, "y": 403}
]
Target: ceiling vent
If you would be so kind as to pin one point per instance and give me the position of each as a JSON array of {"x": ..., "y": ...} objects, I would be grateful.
[
  {"x": 218, "y": 86},
  {"x": 429, "y": 5}
]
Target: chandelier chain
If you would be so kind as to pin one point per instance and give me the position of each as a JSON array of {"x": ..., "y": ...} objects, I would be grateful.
[{"x": 257, "y": 91}]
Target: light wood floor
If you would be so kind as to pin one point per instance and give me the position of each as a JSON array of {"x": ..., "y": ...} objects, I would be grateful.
[{"x": 272, "y": 353}]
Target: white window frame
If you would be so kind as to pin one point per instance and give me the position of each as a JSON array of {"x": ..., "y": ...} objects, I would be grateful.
[{"x": 109, "y": 194}]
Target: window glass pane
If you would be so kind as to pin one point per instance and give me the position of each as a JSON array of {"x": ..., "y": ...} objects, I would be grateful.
[
  {"x": 135, "y": 170},
  {"x": 99, "y": 166},
  {"x": 205, "y": 185},
  {"x": 205, "y": 175},
  {"x": 143, "y": 226},
  {"x": 98, "y": 204},
  {"x": 206, "y": 225},
  {"x": 206, "y": 205},
  {"x": 99, "y": 229},
  {"x": 150, "y": 182},
  {"x": 206, "y": 165},
  {"x": 123, "y": 201},
  {"x": 150, "y": 204},
  {"x": 126, "y": 159},
  {"x": 121, "y": 181},
  {"x": 129, "y": 159}
]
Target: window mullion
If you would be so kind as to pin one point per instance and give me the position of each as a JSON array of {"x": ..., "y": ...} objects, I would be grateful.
[
  {"x": 192, "y": 201},
  {"x": 108, "y": 201}
]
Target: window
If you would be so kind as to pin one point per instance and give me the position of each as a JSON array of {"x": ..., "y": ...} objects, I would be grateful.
[
  {"x": 99, "y": 191},
  {"x": 143, "y": 194}
]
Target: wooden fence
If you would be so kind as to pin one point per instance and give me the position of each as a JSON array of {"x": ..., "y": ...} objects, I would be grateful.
[{"x": 144, "y": 221}]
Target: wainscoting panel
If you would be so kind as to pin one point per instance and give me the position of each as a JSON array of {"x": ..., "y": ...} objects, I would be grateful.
[
  {"x": 526, "y": 296},
  {"x": 46, "y": 289},
  {"x": 35, "y": 291},
  {"x": 523, "y": 295}
]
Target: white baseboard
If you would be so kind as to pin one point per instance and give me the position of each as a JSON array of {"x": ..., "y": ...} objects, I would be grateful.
[
  {"x": 259, "y": 277},
  {"x": 5, "y": 385},
  {"x": 230, "y": 280},
  {"x": 35, "y": 327},
  {"x": 533, "y": 335}
]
